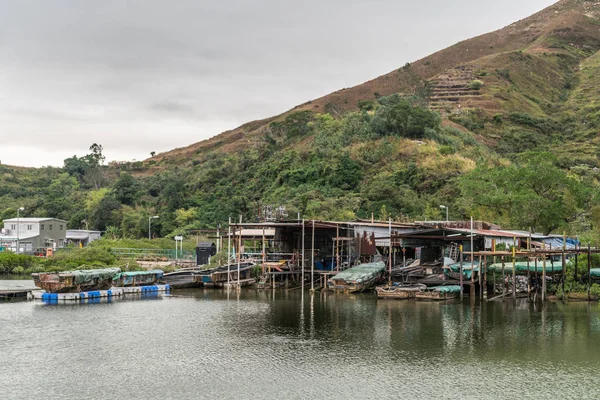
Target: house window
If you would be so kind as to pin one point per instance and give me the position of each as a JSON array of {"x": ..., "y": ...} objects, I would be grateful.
[
  {"x": 61, "y": 242},
  {"x": 50, "y": 227},
  {"x": 29, "y": 227},
  {"x": 61, "y": 227},
  {"x": 13, "y": 227},
  {"x": 41, "y": 227}
]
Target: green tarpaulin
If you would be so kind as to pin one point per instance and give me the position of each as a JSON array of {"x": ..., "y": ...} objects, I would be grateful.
[
  {"x": 521, "y": 267},
  {"x": 446, "y": 289},
  {"x": 360, "y": 273},
  {"x": 157, "y": 272},
  {"x": 466, "y": 268},
  {"x": 595, "y": 272},
  {"x": 89, "y": 275}
]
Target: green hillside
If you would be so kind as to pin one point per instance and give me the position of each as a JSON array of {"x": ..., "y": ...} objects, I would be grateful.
[{"x": 503, "y": 127}]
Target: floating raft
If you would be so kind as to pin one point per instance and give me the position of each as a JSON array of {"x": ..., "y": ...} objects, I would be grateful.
[{"x": 99, "y": 294}]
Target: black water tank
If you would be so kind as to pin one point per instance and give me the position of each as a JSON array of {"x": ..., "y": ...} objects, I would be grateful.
[{"x": 205, "y": 250}]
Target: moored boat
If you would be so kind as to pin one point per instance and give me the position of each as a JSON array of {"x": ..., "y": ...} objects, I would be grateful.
[
  {"x": 438, "y": 293},
  {"x": 357, "y": 279},
  {"x": 75, "y": 281},
  {"x": 220, "y": 276},
  {"x": 137, "y": 278},
  {"x": 399, "y": 292},
  {"x": 182, "y": 279}
]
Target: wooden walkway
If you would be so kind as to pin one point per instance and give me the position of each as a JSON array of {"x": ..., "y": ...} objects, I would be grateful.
[{"x": 14, "y": 294}]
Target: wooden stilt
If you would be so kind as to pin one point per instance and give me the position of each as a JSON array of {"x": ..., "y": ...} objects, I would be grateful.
[
  {"x": 589, "y": 257},
  {"x": 503, "y": 278},
  {"x": 461, "y": 273},
  {"x": 544, "y": 276}
]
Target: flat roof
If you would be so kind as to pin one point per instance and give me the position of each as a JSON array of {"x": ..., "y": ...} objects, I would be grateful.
[{"x": 23, "y": 219}]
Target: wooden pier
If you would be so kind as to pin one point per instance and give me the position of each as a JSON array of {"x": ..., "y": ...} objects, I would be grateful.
[{"x": 15, "y": 294}]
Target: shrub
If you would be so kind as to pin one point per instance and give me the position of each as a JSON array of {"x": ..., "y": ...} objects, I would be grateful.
[
  {"x": 10, "y": 261},
  {"x": 366, "y": 105},
  {"x": 476, "y": 84}
]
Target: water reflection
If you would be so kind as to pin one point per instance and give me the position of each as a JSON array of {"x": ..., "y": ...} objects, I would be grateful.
[{"x": 282, "y": 344}]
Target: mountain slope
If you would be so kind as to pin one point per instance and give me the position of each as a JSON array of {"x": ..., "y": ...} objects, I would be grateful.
[{"x": 568, "y": 30}]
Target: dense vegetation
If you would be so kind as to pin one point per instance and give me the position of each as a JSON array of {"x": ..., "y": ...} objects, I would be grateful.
[{"x": 393, "y": 159}]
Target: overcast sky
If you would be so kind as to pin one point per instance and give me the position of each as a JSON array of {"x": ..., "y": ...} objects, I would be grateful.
[{"x": 150, "y": 75}]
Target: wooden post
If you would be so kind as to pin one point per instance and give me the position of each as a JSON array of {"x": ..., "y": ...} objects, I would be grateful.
[
  {"x": 514, "y": 268},
  {"x": 390, "y": 253},
  {"x": 484, "y": 274},
  {"x": 564, "y": 265},
  {"x": 503, "y": 278},
  {"x": 589, "y": 257},
  {"x": 239, "y": 253},
  {"x": 264, "y": 251},
  {"x": 535, "y": 262},
  {"x": 528, "y": 279},
  {"x": 229, "y": 253},
  {"x": 494, "y": 281},
  {"x": 576, "y": 260},
  {"x": 312, "y": 260},
  {"x": 544, "y": 274},
  {"x": 337, "y": 247},
  {"x": 302, "y": 280},
  {"x": 480, "y": 278},
  {"x": 461, "y": 272}
]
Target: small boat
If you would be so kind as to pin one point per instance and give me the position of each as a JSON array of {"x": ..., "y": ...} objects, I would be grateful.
[
  {"x": 219, "y": 276},
  {"x": 137, "y": 278},
  {"x": 182, "y": 279},
  {"x": 400, "y": 292},
  {"x": 75, "y": 281},
  {"x": 357, "y": 279},
  {"x": 439, "y": 293}
]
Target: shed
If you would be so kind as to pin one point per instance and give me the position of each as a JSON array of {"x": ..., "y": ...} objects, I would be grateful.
[{"x": 204, "y": 251}]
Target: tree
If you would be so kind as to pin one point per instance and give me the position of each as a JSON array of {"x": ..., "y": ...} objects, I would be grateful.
[
  {"x": 87, "y": 168},
  {"x": 152, "y": 153},
  {"x": 106, "y": 213},
  {"x": 532, "y": 192},
  {"x": 398, "y": 116},
  {"x": 126, "y": 189}
]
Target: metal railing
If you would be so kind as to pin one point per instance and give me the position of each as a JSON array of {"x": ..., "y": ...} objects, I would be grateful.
[{"x": 169, "y": 254}]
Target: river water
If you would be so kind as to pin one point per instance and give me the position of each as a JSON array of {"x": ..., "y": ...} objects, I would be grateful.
[{"x": 279, "y": 345}]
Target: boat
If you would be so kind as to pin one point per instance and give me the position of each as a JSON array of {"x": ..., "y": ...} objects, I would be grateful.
[
  {"x": 357, "y": 279},
  {"x": 219, "y": 276},
  {"x": 75, "y": 281},
  {"x": 400, "y": 292},
  {"x": 182, "y": 279},
  {"x": 137, "y": 278},
  {"x": 439, "y": 293}
]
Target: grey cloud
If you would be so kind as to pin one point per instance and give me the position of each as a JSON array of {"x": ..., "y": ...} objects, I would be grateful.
[{"x": 151, "y": 75}]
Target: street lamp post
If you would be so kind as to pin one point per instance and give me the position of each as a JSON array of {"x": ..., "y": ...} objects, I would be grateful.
[
  {"x": 150, "y": 226},
  {"x": 445, "y": 207},
  {"x": 19, "y": 225}
]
